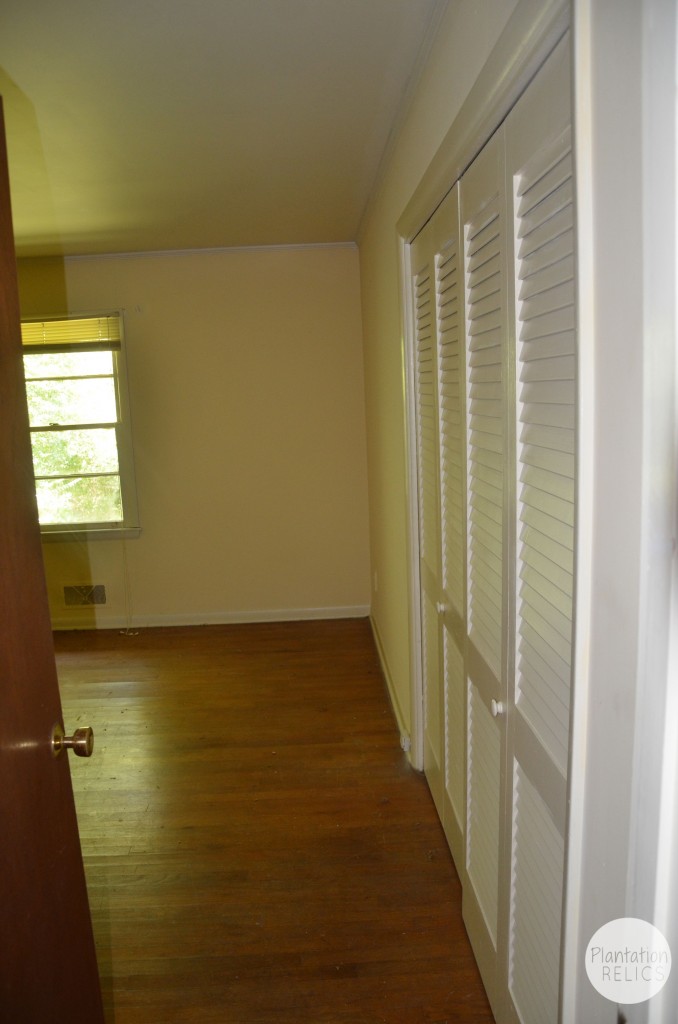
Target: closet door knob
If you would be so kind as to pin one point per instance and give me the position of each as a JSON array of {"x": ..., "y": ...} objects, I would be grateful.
[{"x": 497, "y": 708}]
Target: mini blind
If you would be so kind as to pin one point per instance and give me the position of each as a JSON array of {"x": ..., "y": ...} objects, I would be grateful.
[{"x": 92, "y": 333}]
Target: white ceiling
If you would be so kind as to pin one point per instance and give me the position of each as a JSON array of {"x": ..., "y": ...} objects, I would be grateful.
[{"x": 142, "y": 125}]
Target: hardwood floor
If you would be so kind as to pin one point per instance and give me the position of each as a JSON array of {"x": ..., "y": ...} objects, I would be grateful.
[{"x": 257, "y": 848}]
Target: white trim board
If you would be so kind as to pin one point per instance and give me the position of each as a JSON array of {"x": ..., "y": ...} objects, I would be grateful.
[
  {"x": 229, "y": 250},
  {"x": 101, "y": 621},
  {"x": 532, "y": 31}
]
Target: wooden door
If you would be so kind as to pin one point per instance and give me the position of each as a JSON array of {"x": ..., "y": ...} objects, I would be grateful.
[{"x": 48, "y": 969}]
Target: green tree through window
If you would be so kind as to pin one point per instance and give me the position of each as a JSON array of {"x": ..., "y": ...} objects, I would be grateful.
[{"x": 78, "y": 430}]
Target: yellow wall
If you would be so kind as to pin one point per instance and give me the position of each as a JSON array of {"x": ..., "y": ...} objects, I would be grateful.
[
  {"x": 246, "y": 389},
  {"x": 467, "y": 34}
]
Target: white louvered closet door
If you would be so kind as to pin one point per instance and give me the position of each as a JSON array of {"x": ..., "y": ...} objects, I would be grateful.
[
  {"x": 485, "y": 286},
  {"x": 447, "y": 263},
  {"x": 495, "y": 381},
  {"x": 542, "y": 253},
  {"x": 437, "y": 315},
  {"x": 426, "y": 423}
]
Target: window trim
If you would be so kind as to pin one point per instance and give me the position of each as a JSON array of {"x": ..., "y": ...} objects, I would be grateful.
[{"x": 129, "y": 527}]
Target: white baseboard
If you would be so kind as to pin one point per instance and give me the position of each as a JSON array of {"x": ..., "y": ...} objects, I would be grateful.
[
  {"x": 401, "y": 719},
  {"x": 99, "y": 620}
]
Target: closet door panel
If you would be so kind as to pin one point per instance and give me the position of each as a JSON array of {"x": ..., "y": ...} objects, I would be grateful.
[
  {"x": 495, "y": 367},
  {"x": 485, "y": 325},
  {"x": 451, "y": 381},
  {"x": 484, "y": 242},
  {"x": 484, "y": 802},
  {"x": 536, "y": 878},
  {"x": 439, "y": 386},
  {"x": 542, "y": 254},
  {"x": 450, "y": 332},
  {"x": 455, "y": 744},
  {"x": 545, "y": 412},
  {"x": 433, "y": 699},
  {"x": 428, "y": 500}
]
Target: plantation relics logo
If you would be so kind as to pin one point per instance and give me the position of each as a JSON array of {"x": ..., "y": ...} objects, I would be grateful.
[{"x": 628, "y": 960}]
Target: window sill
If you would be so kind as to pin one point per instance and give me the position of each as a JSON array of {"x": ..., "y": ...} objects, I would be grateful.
[{"x": 63, "y": 534}]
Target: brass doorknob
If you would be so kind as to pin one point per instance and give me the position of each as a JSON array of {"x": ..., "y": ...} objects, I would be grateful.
[{"x": 81, "y": 742}]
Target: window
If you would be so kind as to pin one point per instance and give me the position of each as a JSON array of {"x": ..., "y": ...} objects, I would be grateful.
[{"x": 79, "y": 420}]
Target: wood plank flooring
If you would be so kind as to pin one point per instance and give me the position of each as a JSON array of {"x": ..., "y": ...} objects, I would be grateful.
[{"x": 257, "y": 847}]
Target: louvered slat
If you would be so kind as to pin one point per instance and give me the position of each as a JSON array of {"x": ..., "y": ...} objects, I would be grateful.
[
  {"x": 454, "y": 727},
  {"x": 536, "y": 887},
  {"x": 545, "y": 448},
  {"x": 483, "y": 807},
  {"x": 426, "y": 417},
  {"x": 484, "y": 326},
  {"x": 450, "y": 418}
]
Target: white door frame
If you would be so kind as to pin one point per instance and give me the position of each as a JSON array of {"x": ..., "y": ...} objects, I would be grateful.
[{"x": 623, "y": 838}]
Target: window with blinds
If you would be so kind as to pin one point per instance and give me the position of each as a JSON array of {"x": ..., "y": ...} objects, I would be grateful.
[{"x": 79, "y": 421}]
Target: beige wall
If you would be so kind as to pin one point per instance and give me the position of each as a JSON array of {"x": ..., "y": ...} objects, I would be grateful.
[
  {"x": 246, "y": 388},
  {"x": 466, "y": 36}
]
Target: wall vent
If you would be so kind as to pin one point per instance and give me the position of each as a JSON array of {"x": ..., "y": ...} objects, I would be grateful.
[{"x": 84, "y": 595}]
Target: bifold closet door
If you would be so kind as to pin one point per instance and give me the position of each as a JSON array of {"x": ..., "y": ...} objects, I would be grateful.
[
  {"x": 542, "y": 254},
  {"x": 452, "y": 484},
  {"x": 428, "y": 502},
  {"x": 483, "y": 220},
  {"x": 518, "y": 234},
  {"x": 495, "y": 398},
  {"x": 438, "y": 331}
]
